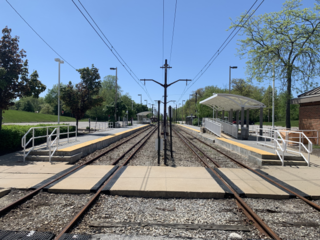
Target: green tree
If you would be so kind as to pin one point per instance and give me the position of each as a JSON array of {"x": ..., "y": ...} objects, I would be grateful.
[
  {"x": 84, "y": 95},
  {"x": 46, "y": 108},
  {"x": 288, "y": 40},
  {"x": 14, "y": 80}
]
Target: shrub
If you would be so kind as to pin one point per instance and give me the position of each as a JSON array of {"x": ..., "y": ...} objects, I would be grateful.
[{"x": 10, "y": 135}]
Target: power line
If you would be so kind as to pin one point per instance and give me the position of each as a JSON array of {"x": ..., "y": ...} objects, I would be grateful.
[
  {"x": 118, "y": 57},
  {"x": 40, "y": 36},
  {"x": 174, "y": 23},
  {"x": 163, "y": 31},
  {"x": 213, "y": 58}
]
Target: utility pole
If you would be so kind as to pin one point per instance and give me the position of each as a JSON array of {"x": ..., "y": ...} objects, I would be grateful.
[
  {"x": 152, "y": 109},
  {"x": 176, "y": 113},
  {"x": 165, "y": 86}
]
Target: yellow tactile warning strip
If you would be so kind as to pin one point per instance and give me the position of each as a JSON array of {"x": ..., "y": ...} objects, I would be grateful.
[
  {"x": 252, "y": 185},
  {"x": 190, "y": 128},
  {"x": 305, "y": 179},
  {"x": 154, "y": 181},
  {"x": 81, "y": 145},
  {"x": 83, "y": 180},
  {"x": 256, "y": 150}
]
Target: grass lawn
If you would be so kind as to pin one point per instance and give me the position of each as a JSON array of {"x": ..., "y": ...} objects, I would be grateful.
[
  {"x": 294, "y": 123},
  {"x": 14, "y": 116}
]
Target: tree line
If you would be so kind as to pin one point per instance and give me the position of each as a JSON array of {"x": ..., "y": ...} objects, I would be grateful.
[{"x": 239, "y": 87}]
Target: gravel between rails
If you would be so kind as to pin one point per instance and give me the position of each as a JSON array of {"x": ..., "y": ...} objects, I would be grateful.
[
  {"x": 148, "y": 155},
  {"x": 45, "y": 212},
  {"x": 114, "y": 154},
  {"x": 12, "y": 196},
  {"x": 222, "y": 149},
  {"x": 222, "y": 160},
  {"x": 281, "y": 215},
  {"x": 154, "y": 210}
]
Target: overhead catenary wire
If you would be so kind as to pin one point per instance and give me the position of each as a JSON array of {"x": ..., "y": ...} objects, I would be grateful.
[
  {"x": 111, "y": 48},
  {"x": 222, "y": 47},
  {"x": 174, "y": 23},
  {"x": 40, "y": 36},
  {"x": 162, "y": 31}
]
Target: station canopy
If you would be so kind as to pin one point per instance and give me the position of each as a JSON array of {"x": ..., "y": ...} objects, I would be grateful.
[
  {"x": 225, "y": 101},
  {"x": 143, "y": 113}
]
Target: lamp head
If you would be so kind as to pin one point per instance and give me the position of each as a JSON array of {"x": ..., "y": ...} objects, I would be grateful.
[
  {"x": 58, "y": 60},
  {"x": 113, "y": 68},
  {"x": 234, "y": 67}
]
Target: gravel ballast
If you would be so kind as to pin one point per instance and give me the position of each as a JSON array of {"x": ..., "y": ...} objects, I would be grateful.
[
  {"x": 110, "y": 209},
  {"x": 45, "y": 212}
]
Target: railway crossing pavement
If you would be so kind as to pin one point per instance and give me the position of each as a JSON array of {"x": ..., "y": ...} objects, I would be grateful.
[{"x": 168, "y": 182}]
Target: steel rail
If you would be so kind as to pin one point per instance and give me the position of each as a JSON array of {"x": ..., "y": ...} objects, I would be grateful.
[
  {"x": 312, "y": 204},
  {"x": 259, "y": 223},
  {"x": 214, "y": 162},
  {"x": 31, "y": 194},
  {"x": 95, "y": 197},
  {"x": 122, "y": 156}
]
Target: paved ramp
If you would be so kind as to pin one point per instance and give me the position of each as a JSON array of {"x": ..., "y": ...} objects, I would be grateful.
[
  {"x": 87, "y": 179},
  {"x": 304, "y": 180},
  {"x": 153, "y": 181}
]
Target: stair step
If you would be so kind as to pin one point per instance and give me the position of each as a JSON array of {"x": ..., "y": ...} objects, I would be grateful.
[
  {"x": 286, "y": 162},
  {"x": 41, "y": 158}
]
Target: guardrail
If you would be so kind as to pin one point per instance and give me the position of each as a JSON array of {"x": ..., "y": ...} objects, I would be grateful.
[
  {"x": 228, "y": 128},
  {"x": 275, "y": 136},
  {"x": 212, "y": 126},
  {"x": 56, "y": 129}
]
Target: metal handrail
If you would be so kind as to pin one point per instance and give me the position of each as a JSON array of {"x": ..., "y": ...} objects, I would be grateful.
[
  {"x": 23, "y": 139},
  {"x": 50, "y": 144},
  {"x": 275, "y": 135}
]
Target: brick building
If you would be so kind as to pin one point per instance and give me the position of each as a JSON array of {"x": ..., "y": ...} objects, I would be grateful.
[{"x": 309, "y": 112}]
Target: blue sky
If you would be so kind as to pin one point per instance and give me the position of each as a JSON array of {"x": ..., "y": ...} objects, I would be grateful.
[{"x": 135, "y": 30}]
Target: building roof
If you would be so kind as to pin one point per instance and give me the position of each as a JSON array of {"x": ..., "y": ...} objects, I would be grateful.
[
  {"x": 315, "y": 91},
  {"x": 307, "y": 97},
  {"x": 143, "y": 113},
  {"x": 224, "y": 101}
]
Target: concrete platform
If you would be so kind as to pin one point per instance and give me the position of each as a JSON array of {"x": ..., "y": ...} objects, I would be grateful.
[
  {"x": 304, "y": 180},
  {"x": 87, "y": 179},
  {"x": 168, "y": 182},
  {"x": 260, "y": 155},
  {"x": 249, "y": 184}
]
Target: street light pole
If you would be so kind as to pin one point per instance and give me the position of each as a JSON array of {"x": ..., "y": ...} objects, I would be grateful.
[
  {"x": 234, "y": 67},
  {"x": 146, "y": 102},
  {"x": 140, "y": 98},
  {"x": 115, "y": 101},
  {"x": 59, "y": 62},
  {"x": 273, "y": 86}
]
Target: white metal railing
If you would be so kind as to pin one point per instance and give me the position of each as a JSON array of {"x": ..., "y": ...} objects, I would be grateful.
[
  {"x": 212, "y": 126},
  {"x": 281, "y": 144},
  {"x": 56, "y": 129},
  {"x": 56, "y": 141},
  {"x": 228, "y": 128}
]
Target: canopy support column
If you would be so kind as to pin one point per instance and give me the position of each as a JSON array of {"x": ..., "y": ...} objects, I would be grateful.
[
  {"x": 231, "y": 116},
  {"x": 222, "y": 114},
  {"x": 237, "y": 121},
  {"x": 242, "y": 119},
  {"x": 261, "y": 118},
  {"x": 248, "y": 119}
]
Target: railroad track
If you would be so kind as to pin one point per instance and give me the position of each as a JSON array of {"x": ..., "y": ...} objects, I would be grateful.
[
  {"x": 121, "y": 161},
  {"x": 263, "y": 228},
  {"x": 196, "y": 150}
]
